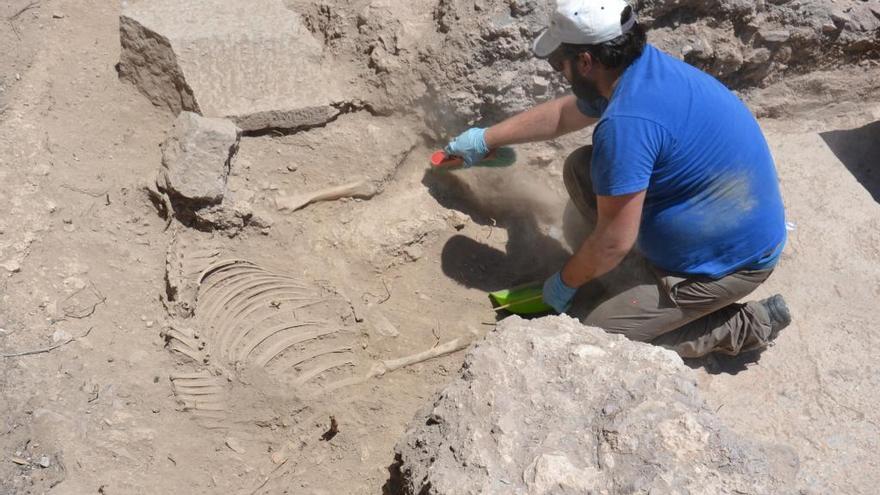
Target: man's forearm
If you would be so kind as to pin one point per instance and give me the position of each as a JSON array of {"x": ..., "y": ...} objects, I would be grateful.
[
  {"x": 540, "y": 123},
  {"x": 617, "y": 228},
  {"x": 594, "y": 258}
]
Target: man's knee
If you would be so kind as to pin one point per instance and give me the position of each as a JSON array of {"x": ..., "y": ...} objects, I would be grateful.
[
  {"x": 578, "y": 164},
  {"x": 576, "y": 175}
]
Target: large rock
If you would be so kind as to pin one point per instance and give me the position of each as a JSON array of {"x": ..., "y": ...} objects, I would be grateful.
[
  {"x": 552, "y": 407},
  {"x": 197, "y": 156},
  {"x": 253, "y": 63}
]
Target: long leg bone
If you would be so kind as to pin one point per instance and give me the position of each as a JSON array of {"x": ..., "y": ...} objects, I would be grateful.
[
  {"x": 361, "y": 189},
  {"x": 385, "y": 366}
]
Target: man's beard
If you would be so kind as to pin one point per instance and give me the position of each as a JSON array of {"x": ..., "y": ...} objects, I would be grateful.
[{"x": 583, "y": 88}]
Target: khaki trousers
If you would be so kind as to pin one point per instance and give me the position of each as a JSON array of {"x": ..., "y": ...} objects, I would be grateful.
[{"x": 692, "y": 316}]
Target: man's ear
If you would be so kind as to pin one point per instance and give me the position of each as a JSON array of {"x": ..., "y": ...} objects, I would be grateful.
[{"x": 584, "y": 63}]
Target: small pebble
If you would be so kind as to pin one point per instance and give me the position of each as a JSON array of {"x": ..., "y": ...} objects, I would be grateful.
[
  {"x": 45, "y": 461},
  {"x": 233, "y": 445},
  {"x": 293, "y": 167},
  {"x": 58, "y": 15},
  {"x": 11, "y": 266},
  {"x": 414, "y": 252}
]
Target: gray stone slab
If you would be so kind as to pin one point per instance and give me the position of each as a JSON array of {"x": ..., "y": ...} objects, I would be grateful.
[{"x": 254, "y": 63}]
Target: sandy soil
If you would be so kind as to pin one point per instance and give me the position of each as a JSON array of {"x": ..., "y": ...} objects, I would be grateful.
[{"x": 83, "y": 257}]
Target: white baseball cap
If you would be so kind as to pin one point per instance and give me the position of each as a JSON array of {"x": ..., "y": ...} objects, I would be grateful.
[{"x": 583, "y": 22}]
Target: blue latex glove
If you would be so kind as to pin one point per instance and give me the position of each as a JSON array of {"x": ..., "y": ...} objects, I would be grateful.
[
  {"x": 557, "y": 294},
  {"x": 470, "y": 146}
]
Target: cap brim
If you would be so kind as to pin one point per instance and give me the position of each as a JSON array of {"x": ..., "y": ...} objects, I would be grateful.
[{"x": 545, "y": 44}]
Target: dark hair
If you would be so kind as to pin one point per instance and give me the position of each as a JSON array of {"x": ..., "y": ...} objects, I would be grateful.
[{"x": 619, "y": 52}]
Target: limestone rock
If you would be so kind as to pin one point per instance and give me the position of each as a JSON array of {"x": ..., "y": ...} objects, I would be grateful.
[
  {"x": 254, "y": 64},
  {"x": 552, "y": 407},
  {"x": 775, "y": 36},
  {"x": 197, "y": 156}
]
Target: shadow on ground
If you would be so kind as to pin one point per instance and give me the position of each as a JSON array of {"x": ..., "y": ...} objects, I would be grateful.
[
  {"x": 718, "y": 364},
  {"x": 859, "y": 150},
  {"x": 529, "y": 254},
  {"x": 394, "y": 485}
]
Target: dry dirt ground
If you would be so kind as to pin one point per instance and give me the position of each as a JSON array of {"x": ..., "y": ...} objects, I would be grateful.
[{"x": 82, "y": 257}]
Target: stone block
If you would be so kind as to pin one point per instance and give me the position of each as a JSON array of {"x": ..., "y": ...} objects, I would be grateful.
[
  {"x": 255, "y": 64},
  {"x": 197, "y": 156}
]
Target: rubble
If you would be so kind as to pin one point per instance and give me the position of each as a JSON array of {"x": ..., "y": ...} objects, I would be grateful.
[
  {"x": 192, "y": 184},
  {"x": 477, "y": 66},
  {"x": 549, "y": 406}
]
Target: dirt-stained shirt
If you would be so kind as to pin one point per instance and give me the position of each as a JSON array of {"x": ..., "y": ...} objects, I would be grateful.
[{"x": 712, "y": 203}]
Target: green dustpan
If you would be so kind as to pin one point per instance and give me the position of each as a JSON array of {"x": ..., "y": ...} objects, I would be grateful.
[{"x": 521, "y": 300}]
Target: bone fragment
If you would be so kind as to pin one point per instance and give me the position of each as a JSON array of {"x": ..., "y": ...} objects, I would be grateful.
[
  {"x": 361, "y": 189},
  {"x": 194, "y": 354},
  {"x": 199, "y": 377},
  {"x": 381, "y": 324},
  {"x": 190, "y": 405}
]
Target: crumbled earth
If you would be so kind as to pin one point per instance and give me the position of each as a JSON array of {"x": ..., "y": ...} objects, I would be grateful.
[
  {"x": 86, "y": 397},
  {"x": 463, "y": 62}
]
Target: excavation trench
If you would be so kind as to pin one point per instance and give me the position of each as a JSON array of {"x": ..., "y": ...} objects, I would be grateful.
[{"x": 301, "y": 343}]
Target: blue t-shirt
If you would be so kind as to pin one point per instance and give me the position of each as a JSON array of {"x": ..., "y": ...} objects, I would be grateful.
[{"x": 712, "y": 204}]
